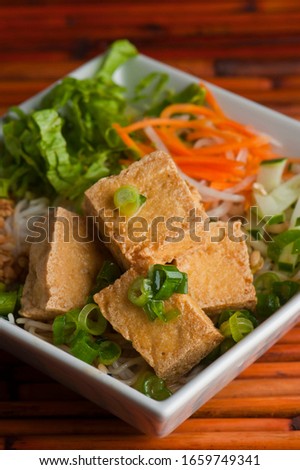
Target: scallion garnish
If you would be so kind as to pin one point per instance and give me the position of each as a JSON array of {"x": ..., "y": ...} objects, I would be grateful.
[
  {"x": 237, "y": 326},
  {"x": 152, "y": 386},
  {"x": 264, "y": 283},
  {"x": 8, "y": 301},
  {"x": 166, "y": 280},
  {"x": 65, "y": 327},
  {"x": 128, "y": 200},
  {"x": 95, "y": 326},
  {"x": 155, "y": 309},
  {"x": 161, "y": 283},
  {"x": 285, "y": 290},
  {"x": 267, "y": 304},
  {"x": 84, "y": 347},
  {"x": 108, "y": 352},
  {"x": 140, "y": 291},
  {"x": 273, "y": 293}
]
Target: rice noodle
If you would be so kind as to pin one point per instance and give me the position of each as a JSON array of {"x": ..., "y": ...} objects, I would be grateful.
[
  {"x": 242, "y": 156},
  {"x": 207, "y": 141},
  {"x": 221, "y": 210},
  {"x": 210, "y": 194},
  {"x": 154, "y": 137},
  {"x": 242, "y": 185},
  {"x": 17, "y": 224}
]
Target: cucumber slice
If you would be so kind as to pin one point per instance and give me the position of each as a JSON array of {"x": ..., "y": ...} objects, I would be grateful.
[
  {"x": 280, "y": 198},
  {"x": 295, "y": 217},
  {"x": 270, "y": 173},
  {"x": 276, "y": 247},
  {"x": 287, "y": 260},
  {"x": 276, "y": 219}
]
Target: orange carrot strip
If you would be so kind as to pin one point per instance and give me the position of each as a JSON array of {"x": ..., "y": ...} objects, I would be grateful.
[
  {"x": 241, "y": 128},
  {"x": 221, "y": 148},
  {"x": 173, "y": 143},
  {"x": 230, "y": 164},
  {"x": 186, "y": 109},
  {"x": 175, "y": 123},
  {"x": 211, "y": 100},
  {"x": 209, "y": 132},
  {"x": 127, "y": 139},
  {"x": 210, "y": 175}
]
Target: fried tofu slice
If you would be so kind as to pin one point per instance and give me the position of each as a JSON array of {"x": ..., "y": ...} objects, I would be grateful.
[
  {"x": 62, "y": 268},
  {"x": 160, "y": 230},
  {"x": 171, "y": 348},
  {"x": 219, "y": 276}
]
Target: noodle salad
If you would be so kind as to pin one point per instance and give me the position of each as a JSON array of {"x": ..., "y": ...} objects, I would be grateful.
[{"x": 86, "y": 130}]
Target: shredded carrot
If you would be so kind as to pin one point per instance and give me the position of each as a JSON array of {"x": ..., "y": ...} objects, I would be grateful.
[
  {"x": 212, "y": 102},
  {"x": 175, "y": 123},
  {"x": 232, "y": 146},
  {"x": 232, "y": 158},
  {"x": 127, "y": 139},
  {"x": 193, "y": 109}
]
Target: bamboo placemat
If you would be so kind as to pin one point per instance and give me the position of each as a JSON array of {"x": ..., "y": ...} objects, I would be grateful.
[{"x": 249, "y": 47}]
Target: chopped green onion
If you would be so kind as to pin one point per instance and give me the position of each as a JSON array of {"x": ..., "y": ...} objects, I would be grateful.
[
  {"x": 152, "y": 386},
  {"x": 267, "y": 304},
  {"x": 276, "y": 219},
  {"x": 109, "y": 352},
  {"x": 237, "y": 326},
  {"x": 83, "y": 347},
  {"x": 109, "y": 272},
  {"x": 86, "y": 323},
  {"x": 264, "y": 283},
  {"x": 8, "y": 301},
  {"x": 226, "y": 344},
  {"x": 167, "y": 280},
  {"x": 65, "y": 327},
  {"x": 155, "y": 309},
  {"x": 128, "y": 200},
  {"x": 140, "y": 291},
  {"x": 226, "y": 314},
  {"x": 285, "y": 290},
  {"x": 240, "y": 327}
]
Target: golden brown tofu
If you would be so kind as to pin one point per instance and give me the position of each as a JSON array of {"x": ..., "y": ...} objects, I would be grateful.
[
  {"x": 219, "y": 276},
  {"x": 160, "y": 230},
  {"x": 171, "y": 348},
  {"x": 62, "y": 268}
]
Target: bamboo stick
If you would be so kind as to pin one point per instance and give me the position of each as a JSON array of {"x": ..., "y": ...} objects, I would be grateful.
[
  {"x": 282, "y": 353},
  {"x": 247, "y": 407},
  {"x": 30, "y": 409},
  {"x": 260, "y": 370},
  {"x": 243, "y": 84},
  {"x": 293, "y": 336},
  {"x": 205, "y": 440},
  {"x": 261, "y": 388},
  {"x": 17, "y": 427}
]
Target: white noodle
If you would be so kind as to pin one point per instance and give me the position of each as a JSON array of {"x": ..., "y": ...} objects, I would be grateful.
[
  {"x": 220, "y": 210},
  {"x": 17, "y": 224},
  {"x": 207, "y": 141},
  {"x": 154, "y": 137},
  {"x": 242, "y": 156}
]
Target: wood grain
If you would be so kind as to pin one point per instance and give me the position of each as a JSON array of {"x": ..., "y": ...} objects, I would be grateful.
[{"x": 203, "y": 440}]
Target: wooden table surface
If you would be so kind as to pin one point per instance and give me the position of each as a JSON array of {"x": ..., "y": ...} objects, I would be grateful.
[{"x": 251, "y": 47}]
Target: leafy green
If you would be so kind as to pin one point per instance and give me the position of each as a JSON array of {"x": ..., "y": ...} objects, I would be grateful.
[{"x": 66, "y": 145}]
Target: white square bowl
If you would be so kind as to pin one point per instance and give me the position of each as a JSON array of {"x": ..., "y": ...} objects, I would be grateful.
[{"x": 152, "y": 417}]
